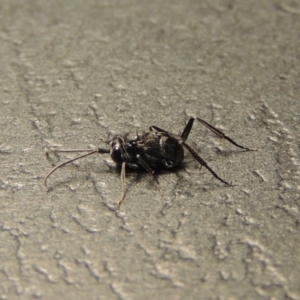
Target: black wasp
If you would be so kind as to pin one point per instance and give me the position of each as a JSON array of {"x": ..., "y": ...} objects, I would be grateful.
[{"x": 151, "y": 150}]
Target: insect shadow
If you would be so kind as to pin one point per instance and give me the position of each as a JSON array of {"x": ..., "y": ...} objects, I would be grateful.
[{"x": 153, "y": 150}]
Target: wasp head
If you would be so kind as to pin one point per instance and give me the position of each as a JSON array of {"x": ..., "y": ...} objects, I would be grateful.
[{"x": 116, "y": 149}]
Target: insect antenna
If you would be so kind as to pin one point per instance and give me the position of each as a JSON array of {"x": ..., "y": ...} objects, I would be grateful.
[{"x": 99, "y": 150}]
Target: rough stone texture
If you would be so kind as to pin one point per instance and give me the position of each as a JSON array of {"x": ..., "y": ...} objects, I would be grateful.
[{"x": 75, "y": 71}]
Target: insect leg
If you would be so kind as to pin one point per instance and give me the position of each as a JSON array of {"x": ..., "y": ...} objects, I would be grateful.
[
  {"x": 203, "y": 163},
  {"x": 187, "y": 129},
  {"x": 222, "y": 134},
  {"x": 123, "y": 181},
  {"x": 90, "y": 152},
  {"x": 146, "y": 167},
  {"x": 184, "y": 134},
  {"x": 157, "y": 128}
]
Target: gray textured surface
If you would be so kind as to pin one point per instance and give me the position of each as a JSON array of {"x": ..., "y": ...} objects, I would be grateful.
[{"x": 75, "y": 71}]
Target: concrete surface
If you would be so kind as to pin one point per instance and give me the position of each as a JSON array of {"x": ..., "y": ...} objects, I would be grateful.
[{"x": 75, "y": 71}]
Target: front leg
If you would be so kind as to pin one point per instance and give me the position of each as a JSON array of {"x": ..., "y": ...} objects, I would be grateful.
[{"x": 123, "y": 182}]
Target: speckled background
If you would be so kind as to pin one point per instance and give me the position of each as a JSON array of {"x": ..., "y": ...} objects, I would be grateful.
[{"x": 75, "y": 71}]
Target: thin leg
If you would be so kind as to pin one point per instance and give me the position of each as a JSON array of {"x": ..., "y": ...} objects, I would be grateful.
[
  {"x": 222, "y": 134},
  {"x": 90, "y": 152},
  {"x": 189, "y": 126},
  {"x": 185, "y": 132},
  {"x": 187, "y": 129},
  {"x": 146, "y": 167},
  {"x": 203, "y": 163},
  {"x": 123, "y": 181},
  {"x": 160, "y": 130}
]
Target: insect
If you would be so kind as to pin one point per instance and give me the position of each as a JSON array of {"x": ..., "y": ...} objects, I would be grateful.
[{"x": 151, "y": 150}]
